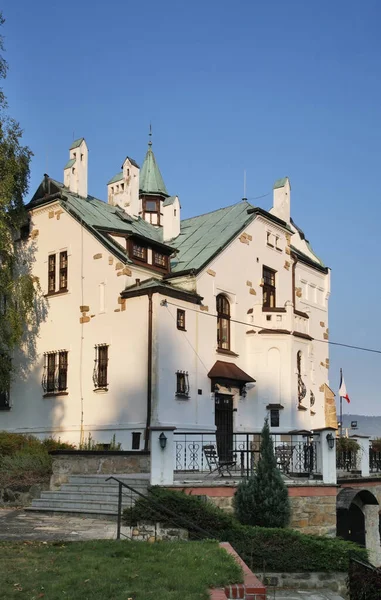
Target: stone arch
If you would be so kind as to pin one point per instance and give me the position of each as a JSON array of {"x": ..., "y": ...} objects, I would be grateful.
[{"x": 357, "y": 519}]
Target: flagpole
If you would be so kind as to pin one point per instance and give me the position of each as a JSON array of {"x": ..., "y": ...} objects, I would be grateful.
[{"x": 341, "y": 407}]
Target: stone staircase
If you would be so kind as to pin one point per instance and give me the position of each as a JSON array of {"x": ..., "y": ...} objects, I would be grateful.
[{"x": 90, "y": 495}]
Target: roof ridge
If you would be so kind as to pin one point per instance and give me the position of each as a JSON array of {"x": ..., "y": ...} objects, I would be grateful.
[{"x": 218, "y": 209}]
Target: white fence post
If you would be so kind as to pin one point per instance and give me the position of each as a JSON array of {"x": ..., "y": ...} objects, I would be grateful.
[
  {"x": 327, "y": 454},
  {"x": 363, "y": 462},
  {"x": 162, "y": 455}
]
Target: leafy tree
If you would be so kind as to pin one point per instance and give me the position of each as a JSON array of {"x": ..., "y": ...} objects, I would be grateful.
[
  {"x": 263, "y": 499},
  {"x": 17, "y": 288}
]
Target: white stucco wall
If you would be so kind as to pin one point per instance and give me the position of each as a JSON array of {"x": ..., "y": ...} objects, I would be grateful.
[
  {"x": 92, "y": 282},
  {"x": 96, "y": 280}
]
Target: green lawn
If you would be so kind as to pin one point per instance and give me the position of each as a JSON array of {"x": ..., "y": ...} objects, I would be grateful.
[{"x": 112, "y": 570}]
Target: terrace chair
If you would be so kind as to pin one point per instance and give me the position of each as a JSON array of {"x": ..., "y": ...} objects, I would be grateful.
[
  {"x": 283, "y": 455},
  {"x": 215, "y": 464}
]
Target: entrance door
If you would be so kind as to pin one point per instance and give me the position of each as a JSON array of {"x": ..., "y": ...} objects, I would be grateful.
[
  {"x": 224, "y": 425},
  {"x": 351, "y": 524}
]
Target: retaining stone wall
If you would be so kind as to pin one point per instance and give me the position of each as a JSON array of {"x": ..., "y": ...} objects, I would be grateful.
[
  {"x": 305, "y": 581},
  {"x": 95, "y": 463},
  {"x": 313, "y": 515},
  {"x": 21, "y": 495},
  {"x": 149, "y": 532}
]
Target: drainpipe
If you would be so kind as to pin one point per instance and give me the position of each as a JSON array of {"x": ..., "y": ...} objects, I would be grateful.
[
  {"x": 293, "y": 280},
  {"x": 149, "y": 373}
]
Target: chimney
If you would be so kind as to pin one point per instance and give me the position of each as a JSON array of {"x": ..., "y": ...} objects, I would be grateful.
[
  {"x": 75, "y": 170},
  {"x": 282, "y": 199}
]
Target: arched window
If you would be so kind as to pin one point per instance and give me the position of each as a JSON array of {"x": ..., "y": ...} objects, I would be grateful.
[{"x": 223, "y": 322}]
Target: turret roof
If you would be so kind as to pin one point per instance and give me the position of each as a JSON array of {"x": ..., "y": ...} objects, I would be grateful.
[{"x": 151, "y": 181}]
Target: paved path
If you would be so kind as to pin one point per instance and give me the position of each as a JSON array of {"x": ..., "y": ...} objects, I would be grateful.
[
  {"x": 22, "y": 525},
  {"x": 19, "y": 525},
  {"x": 303, "y": 595}
]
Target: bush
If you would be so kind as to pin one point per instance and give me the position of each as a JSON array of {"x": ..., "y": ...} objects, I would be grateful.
[
  {"x": 263, "y": 498},
  {"x": 187, "y": 509},
  {"x": 344, "y": 444},
  {"x": 271, "y": 548},
  {"x": 24, "y": 459},
  {"x": 364, "y": 581}
]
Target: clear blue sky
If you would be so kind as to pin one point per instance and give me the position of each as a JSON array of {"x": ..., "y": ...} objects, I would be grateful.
[{"x": 282, "y": 87}]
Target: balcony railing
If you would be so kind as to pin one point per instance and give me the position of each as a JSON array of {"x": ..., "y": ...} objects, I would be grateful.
[
  {"x": 374, "y": 461},
  {"x": 347, "y": 460},
  {"x": 296, "y": 455}
]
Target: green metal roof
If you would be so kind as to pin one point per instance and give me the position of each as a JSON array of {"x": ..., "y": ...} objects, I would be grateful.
[
  {"x": 151, "y": 181},
  {"x": 76, "y": 143},
  {"x": 100, "y": 218},
  {"x": 116, "y": 177},
  {"x": 170, "y": 200},
  {"x": 201, "y": 238},
  {"x": 280, "y": 183},
  {"x": 69, "y": 163}
]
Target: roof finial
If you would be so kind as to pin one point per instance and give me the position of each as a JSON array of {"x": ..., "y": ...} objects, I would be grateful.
[{"x": 150, "y": 136}]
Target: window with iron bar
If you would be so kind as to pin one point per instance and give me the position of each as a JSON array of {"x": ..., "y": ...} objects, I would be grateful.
[
  {"x": 182, "y": 384},
  {"x": 54, "y": 377},
  {"x": 180, "y": 319},
  {"x": 4, "y": 392},
  {"x": 100, "y": 374}
]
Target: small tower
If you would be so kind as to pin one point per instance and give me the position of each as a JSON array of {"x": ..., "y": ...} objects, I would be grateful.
[
  {"x": 152, "y": 190},
  {"x": 75, "y": 170},
  {"x": 123, "y": 188},
  {"x": 156, "y": 205}
]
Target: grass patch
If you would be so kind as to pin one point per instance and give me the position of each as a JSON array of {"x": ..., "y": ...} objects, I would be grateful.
[{"x": 104, "y": 570}]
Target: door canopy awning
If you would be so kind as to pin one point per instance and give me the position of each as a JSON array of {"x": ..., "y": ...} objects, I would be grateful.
[{"x": 229, "y": 371}]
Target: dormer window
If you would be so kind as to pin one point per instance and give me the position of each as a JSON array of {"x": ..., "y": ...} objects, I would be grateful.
[
  {"x": 139, "y": 252},
  {"x": 160, "y": 260}
]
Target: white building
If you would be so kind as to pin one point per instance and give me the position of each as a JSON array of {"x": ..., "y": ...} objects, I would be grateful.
[{"x": 211, "y": 322}]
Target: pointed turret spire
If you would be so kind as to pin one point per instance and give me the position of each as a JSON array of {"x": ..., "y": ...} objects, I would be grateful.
[{"x": 151, "y": 181}]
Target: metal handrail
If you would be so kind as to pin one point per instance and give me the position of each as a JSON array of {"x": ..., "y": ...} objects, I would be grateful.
[{"x": 155, "y": 504}]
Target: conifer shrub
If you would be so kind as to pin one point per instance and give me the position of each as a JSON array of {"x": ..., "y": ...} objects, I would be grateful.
[{"x": 263, "y": 498}]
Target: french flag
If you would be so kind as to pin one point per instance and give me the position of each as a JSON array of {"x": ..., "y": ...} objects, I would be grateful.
[{"x": 343, "y": 390}]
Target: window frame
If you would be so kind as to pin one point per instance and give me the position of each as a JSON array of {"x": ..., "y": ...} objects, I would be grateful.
[
  {"x": 100, "y": 371},
  {"x": 182, "y": 384},
  {"x": 180, "y": 319},
  {"x": 135, "y": 256},
  {"x": 52, "y": 273},
  {"x": 269, "y": 288},
  {"x": 54, "y": 377},
  {"x": 5, "y": 393},
  {"x": 148, "y": 210},
  {"x": 223, "y": 320},
  {"x": 155, "y": 254},
  {"x": 63, "y": 271},
  {"x": 275, "y": 413}
]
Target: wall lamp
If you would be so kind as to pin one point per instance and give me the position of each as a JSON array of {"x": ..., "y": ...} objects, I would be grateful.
[
  {"x": 330, "y": 441},
  {"x": 162, "y": 440}
]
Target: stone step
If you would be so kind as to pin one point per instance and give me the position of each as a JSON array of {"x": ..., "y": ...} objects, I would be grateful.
[
  {"x": 95, "y": 514},
  {"x": 91, "y": 488},
  {"x": 96, "y": 479},
  {"x": 89, "y": 497},
  {"x": 77, "y": 505}
]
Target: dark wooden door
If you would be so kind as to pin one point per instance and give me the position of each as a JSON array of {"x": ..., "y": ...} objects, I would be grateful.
[
  {"x": 350, "y": 524},
  {"x": 224, "y": 425}
]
